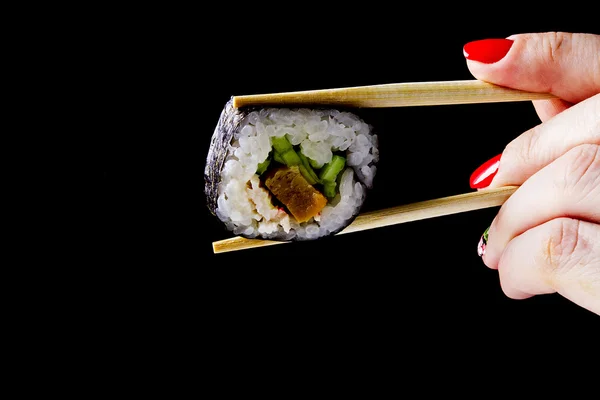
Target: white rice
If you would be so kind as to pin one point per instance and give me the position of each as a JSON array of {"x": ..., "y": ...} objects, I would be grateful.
[{"x": 246, "y": 208}]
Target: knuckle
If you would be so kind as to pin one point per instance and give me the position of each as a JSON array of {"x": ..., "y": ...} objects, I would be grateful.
[
  {"x": 583, "y": 170},
  {"x": 551, "y": 48},
  {"x": 552, "y": 43},
  {"x": 561, "y": 247}
]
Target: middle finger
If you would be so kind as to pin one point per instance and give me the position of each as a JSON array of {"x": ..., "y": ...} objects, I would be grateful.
[
  {"x": 539, "y": 146},
  {"x": 568, "y": 187}
]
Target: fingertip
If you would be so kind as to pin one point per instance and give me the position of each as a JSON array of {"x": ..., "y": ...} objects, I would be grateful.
[{"x": 488, "y": 263}]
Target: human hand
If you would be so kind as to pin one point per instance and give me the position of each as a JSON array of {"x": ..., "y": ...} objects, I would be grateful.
[{"x": 546, "y": 236}]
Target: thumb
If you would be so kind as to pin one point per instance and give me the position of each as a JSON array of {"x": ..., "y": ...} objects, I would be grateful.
[{"x": 566, "y": 65}]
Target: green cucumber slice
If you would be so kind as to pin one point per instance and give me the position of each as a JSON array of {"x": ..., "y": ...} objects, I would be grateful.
[
  {"x": 281, "y": 144},
  {"x": 330, "y": 171}
]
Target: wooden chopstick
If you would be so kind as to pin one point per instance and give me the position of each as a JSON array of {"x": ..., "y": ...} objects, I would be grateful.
[
  {"x": 395, "y": 95},
  {"x": 395, "y": 215}
]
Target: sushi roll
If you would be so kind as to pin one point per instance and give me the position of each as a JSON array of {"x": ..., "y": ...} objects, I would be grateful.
[{"x": 289, "y": 174}]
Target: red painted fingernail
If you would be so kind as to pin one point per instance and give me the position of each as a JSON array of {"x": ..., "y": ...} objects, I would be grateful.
[
  {"x": 482, "y": 177},
  {"x": 487, "y": 51}
]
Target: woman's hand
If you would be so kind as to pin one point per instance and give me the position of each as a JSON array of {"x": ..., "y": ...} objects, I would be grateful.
[{"x": 546, "y": 236}]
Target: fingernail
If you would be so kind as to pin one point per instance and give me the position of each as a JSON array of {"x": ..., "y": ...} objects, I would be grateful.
[
  {"x": 487, "y": 51},
  {"x": 482, "y": 243},
  {"x": 482, "y": 176}
]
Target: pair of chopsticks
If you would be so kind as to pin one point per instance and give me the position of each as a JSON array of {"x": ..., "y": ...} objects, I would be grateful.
[{"x": 395, "y": 95}]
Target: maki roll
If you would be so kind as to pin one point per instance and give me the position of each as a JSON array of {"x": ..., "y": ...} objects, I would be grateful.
[{"x": 289, "y": 174}]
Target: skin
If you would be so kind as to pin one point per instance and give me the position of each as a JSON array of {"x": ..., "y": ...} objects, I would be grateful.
[{"x": 546, "y": 237}]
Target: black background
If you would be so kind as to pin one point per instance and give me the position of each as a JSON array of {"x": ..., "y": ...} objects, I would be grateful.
[{"x": 420, "y": 283}]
